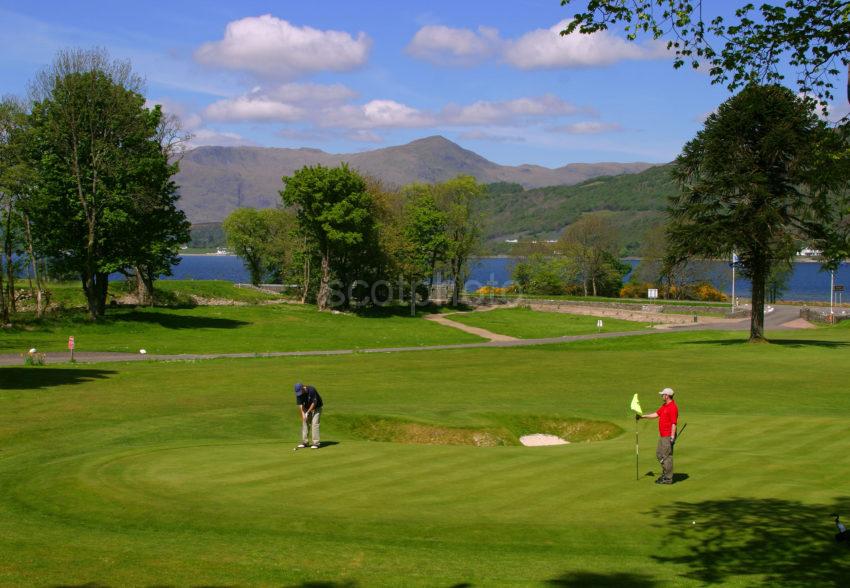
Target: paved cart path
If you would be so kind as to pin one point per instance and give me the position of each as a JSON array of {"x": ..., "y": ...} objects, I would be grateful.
[{"x": 778, "y": 319}]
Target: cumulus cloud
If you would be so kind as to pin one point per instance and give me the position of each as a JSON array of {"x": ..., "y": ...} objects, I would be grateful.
[
  {"x": 537, "y": 49},
  {"x": 284, "y": 102},
  {"x": 274, "y": 48},
  {"x": 252, "y": 108},
  {"x": 511, "y": 111},
  {"x": 376, "y": 114},
  {"x": 307, "y": 93},
  {"x": 447, "y": 46},
  {"x": 547, "y": 49}
]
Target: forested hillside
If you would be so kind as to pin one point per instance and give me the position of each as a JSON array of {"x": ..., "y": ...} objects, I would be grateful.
[{"x": 635, "y": 203}]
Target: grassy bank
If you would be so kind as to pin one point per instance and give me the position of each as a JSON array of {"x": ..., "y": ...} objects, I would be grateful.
[{"x": 530, "y": 324}]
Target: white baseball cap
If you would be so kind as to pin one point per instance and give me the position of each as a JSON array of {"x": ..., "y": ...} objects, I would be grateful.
[{"x": 667, "y": 392}]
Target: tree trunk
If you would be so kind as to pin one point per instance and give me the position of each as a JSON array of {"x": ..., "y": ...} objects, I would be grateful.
[
  {"x": 102, "y": 290},
  {"x": 324, "y": 285},
  {"x": 4, "y": 307},
  {"x": 306, "y": 286},
  {"x": 91, "y": 296},
  {"x": 39, "y": 290},
  {"x": 144, "y": 286},
  {"x": 757, "y": 302},
  {"x": 458, "y": 280},
  {"x": 10, "y": 267},
  {"x": 95, "y": 287}
]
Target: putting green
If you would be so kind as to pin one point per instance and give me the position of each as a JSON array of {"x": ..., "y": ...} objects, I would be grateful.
[{"x": 183, "y": 473}]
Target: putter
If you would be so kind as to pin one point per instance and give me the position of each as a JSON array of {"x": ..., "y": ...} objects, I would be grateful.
[{"x": 679, "y": 434}]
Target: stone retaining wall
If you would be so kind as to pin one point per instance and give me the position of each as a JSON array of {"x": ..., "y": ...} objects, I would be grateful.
[
  {"x": 653, "y": 312},
  {"x": 619, "y": 313},
  {"x": 821, "y": 315}
]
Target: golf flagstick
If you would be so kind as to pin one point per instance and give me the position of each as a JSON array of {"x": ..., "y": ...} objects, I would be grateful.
[
  {"x": 635, "y": 406},
  {"x": 637, "y": 451}
]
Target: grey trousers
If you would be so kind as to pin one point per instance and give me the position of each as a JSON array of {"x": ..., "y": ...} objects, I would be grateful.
[
  {"x": 664, "y": 453},
  {"x": 314, "y": 425}
]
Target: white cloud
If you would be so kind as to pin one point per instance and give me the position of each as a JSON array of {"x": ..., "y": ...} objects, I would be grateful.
[
  {"x": 588, "y": 128},
  {"x": 447, "y": 46},
  {"x": 252, "y": 108},
  {"x": 511, "y": 111},
  {"x": 307, "y": 93},
  {"x": 284, "y": 102},
  {"x": 375, "y": 114},
  {"x": 537, "y": 49},
  {"x": 838, "y": 111},
  {"x": 547, "y": 49},
  {"x": 274, "y": 48}
]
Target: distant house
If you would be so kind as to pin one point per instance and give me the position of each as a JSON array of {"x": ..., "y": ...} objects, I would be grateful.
[{"x": 808, "y": 252}]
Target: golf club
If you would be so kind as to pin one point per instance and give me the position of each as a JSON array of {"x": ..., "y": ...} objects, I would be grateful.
[{"x": 679, "y": 434}]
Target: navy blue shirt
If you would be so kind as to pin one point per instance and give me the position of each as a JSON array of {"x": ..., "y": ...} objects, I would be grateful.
[{"x": 308, "y": 396}]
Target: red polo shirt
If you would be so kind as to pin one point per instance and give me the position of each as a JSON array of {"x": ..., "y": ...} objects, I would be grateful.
[{"x": 668, "y": 415}]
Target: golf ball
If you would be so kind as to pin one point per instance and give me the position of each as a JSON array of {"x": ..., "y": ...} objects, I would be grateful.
[
  {"x": 693, "y": 522},
  {"x": 142, "y": 351}
]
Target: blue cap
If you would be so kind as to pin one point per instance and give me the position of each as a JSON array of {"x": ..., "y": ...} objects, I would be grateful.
[{"x": 299, "y": 389}]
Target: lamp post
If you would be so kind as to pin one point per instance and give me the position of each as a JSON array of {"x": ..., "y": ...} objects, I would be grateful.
[
  {"x": 831, "y": 291},
  {"x": 733, "y": 264}
]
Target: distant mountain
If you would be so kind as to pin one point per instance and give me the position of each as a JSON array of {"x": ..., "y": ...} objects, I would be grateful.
[
  {"x": 215, "y": 180},
  {"x": 635, "y": 203}
]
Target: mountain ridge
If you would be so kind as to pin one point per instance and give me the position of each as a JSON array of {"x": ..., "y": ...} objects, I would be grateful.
[{"x": 214, "y": 180}]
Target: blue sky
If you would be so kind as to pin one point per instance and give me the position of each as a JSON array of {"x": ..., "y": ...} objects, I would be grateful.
[{"x": 350, "y": 76}]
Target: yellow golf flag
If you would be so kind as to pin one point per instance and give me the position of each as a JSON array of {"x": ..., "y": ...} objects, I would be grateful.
[{"x": 636, "y": 405}]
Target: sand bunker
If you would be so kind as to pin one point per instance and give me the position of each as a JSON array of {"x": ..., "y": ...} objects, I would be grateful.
[{"x": 539, "y": 439}]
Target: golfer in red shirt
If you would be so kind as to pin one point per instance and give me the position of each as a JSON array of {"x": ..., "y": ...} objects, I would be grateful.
[{"x": 668, "y": 416}]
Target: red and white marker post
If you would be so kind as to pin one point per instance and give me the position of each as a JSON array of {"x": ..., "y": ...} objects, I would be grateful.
[{"x": 71, "y": 346}]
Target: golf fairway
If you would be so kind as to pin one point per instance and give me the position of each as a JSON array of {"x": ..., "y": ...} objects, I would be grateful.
[{"x": 183, "y": 473}]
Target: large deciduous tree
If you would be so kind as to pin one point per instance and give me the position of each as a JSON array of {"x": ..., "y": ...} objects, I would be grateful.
[
  {"x": 267, "y": 240},
  {"x": 812, "y": 37},
  {"x": 458, "y": 198},
  {"x": 763, "y": 175},
  {"x": 337, "y": 213},
  {"x": 592, "y": 242},
  {"x": 103, "y": 175}
]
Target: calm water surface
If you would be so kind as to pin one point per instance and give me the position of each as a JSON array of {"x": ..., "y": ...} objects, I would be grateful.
[{"x": 807, "y": 282}]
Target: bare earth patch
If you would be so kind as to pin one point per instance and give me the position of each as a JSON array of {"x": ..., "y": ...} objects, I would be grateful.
[
  {"x": 539, "y": 440},
  {"x": 799, "y": 324}
]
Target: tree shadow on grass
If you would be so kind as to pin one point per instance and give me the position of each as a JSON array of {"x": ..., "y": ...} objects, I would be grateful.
[
  {"x": 38, "y": 378},
  {"x": 614, "y": 580},
  {"x": 781, "y": 342},
  {"x": 780, "y": 542},
  {"x": 177, "y": 321},
  {"x": 321, "y": 584}
]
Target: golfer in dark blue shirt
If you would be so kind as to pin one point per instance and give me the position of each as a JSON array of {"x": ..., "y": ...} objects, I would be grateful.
[{"x": 310, "y": 404}]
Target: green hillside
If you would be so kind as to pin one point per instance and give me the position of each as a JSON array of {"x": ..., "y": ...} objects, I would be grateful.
[{"x": 635, "y": 201}]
